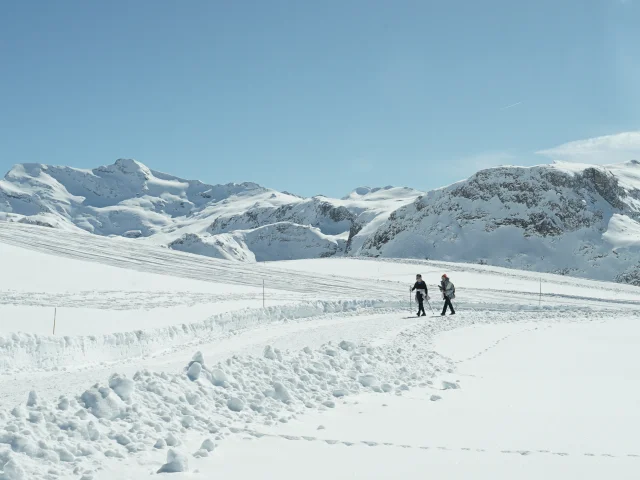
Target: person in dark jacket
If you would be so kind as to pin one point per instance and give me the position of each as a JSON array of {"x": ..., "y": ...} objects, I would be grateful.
[
  {"x": 421, "y": 293},
  {"x": 448, "y": 291}
]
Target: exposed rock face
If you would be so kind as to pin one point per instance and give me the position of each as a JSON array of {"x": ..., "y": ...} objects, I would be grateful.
[{"x": 559, "y": 218}]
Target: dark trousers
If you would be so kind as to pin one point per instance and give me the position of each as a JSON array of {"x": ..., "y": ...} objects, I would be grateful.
[
  {"x": 447, "y": 303},
  {"x": 420, "y": 304}
]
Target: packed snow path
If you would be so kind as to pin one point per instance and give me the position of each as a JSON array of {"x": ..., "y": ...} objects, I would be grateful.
[{"x": 522, "y": 412}]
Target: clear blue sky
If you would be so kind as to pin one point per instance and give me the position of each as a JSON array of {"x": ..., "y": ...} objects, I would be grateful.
[{"x": 315, "y": 96}]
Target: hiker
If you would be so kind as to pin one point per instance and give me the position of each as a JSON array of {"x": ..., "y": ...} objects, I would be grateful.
[
  {"x": 421, "y": 293},
  {"x": 448, "y": 291}
]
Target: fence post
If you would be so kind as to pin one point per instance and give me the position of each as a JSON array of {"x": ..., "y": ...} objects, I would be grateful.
[
  {"x": 540, "y": 297},
  {"x": 55, "y": 314}
]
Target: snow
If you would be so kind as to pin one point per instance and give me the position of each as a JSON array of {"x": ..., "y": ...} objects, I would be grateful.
[
  {"x": 565, "y": 218},
  {"x": 521, "y": 413},
  {"x": 236, "y": 221},
  {"x": 336, "y": 371},
  {"x": 622, "y": 232},
  {"x": 548, "y": 218}
]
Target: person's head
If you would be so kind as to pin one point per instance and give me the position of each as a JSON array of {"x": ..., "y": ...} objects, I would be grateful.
[
  {"x": 444, "y": 277},
  {"x": 418, "y": 277}
]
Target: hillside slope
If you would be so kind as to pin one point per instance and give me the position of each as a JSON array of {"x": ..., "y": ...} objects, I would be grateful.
[{"x": 572, "y": 219}]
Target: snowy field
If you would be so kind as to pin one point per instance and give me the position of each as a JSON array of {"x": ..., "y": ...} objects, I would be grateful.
[{"x": 165, "y": 361}]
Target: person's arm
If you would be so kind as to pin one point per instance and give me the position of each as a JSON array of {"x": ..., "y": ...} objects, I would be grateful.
[{"x": 414, "y": 286}]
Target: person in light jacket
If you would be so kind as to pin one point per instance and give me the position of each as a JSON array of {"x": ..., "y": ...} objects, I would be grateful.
[
  {"x": 421, "y": 293},
  {"x": 448, "y": 293}
]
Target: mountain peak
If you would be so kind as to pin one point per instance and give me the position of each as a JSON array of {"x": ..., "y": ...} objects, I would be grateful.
[
  {"x": 362, "y": 191},
  {"x": 128, "y": 166}
]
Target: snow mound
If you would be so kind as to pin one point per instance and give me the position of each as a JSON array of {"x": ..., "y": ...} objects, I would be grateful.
[
  {"x": 152, "y": 411},
  {"x": 176, "y": 462},
  {"x": 19, "y": 351}
]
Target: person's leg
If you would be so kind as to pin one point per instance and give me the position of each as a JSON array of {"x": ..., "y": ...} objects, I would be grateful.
[
  {"x": 450, "y": 306},
  {"x": 444, "y": 309}
]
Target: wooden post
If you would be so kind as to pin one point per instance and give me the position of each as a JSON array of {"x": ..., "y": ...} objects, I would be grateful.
[{"x": 55, "y": 314}]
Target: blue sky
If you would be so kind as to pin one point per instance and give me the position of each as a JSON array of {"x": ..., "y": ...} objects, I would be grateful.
[{"x": 319, "y": 97}]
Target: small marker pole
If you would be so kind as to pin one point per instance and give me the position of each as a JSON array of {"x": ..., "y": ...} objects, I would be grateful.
[
  {"x": 263, "y": 293},
  {"x": 540, "y": 298},
  {"x": 55, "y": 314}
]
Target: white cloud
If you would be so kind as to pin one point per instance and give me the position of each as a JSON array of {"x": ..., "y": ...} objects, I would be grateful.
[
  {"x": 617, "y": 148},
  {"x": 511, "y": 106}
]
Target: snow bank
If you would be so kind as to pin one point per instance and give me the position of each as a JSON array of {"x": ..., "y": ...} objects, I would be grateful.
[
  {"x": 154, "y": 411},
  {"x": 24, "y": 351}
]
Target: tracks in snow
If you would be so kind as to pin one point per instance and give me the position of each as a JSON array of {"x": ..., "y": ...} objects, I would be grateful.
[{"x": 369, "y": 443}]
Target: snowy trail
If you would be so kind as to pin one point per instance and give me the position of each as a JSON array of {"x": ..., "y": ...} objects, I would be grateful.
[
  {"x": 553, "y": 421},
  {"x": 292, "y": 335}
]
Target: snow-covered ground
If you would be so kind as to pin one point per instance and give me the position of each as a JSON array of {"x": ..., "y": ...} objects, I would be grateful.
[{"x": 162, "y": 357}]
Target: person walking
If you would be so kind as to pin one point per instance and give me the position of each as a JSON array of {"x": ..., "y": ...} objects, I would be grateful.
[
  {"x": 448, "y": 291},
  {"x": 422, "y": 293}
]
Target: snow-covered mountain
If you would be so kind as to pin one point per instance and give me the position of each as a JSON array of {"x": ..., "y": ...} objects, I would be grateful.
[
  {"x": 235, "y": 221},
  {"x": 565, "y": 218},
  {"x": 573, "y": 219}
]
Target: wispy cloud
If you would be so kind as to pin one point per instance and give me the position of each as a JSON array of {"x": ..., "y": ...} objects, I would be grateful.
[
  {"x": 620, "y": 147},
  {"x": 511, "y": 106}
]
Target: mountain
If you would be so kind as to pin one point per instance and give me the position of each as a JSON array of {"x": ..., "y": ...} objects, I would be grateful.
[
  {"x": 574, "y": 219},
  {"x": 580, "y": 220},
  {"x": 244, "y": 221}
]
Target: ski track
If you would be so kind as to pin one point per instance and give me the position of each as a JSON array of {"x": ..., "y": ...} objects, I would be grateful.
[
  {"x": 294, "y": 284},
  {"x": 151, "y": 259}
]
